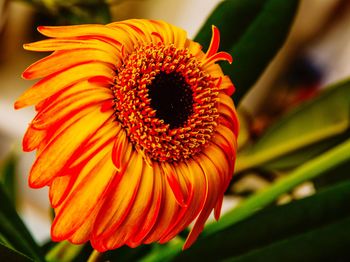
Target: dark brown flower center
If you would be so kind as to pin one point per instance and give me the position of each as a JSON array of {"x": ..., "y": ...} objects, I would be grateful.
[{"x": 171, "y": 97}]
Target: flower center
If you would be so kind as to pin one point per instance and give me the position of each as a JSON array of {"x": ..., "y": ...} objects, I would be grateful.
[
  {"x": 171, "y": 97},
  {"x": 166, "y": 103}
]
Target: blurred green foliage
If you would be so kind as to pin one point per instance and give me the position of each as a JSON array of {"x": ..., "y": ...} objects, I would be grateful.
[{"x": 59, "y": 12}]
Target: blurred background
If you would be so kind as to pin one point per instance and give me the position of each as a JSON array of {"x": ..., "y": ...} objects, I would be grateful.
[{"x": 315, "y": 54}]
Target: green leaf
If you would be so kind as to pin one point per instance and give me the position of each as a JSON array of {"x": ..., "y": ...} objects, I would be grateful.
[
  {"x": 252, "y": 32},
  {"x": 9, "y": 255},
  {"x": 279, "y": 223},
  {"x": 329, "y": 243},
  {"x": 340, "y": 173},
  {"x": 232, "y": 17},
  {"x": 14, "y": 231},
  {"x": 314, "y": 168},
  {"x": 259, "y": 44},
  {"x": 308, "y": 130},
  {"x": 8, "y": 176}
]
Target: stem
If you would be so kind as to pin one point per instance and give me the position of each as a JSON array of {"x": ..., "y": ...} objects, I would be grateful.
[
  {"x": 94, "y": 257},
  {"x": 63, "y": 251}
]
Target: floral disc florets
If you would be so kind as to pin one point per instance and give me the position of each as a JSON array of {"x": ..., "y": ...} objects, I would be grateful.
[{"x": 167, "y": 104}]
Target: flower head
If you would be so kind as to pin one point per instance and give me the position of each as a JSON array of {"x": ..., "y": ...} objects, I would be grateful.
[{"x": 135, "y": 131}]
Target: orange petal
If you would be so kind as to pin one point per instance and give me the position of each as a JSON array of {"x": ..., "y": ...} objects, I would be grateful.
[
  {"x": 194, "y": 186},
  {"x": 120, "y": 235},
  {"x": 59, "y": 188},
  {"x": 150, "y": 220},
  {"x": 224, "y": 171},
  {"x": 32, "y": 138},
  {"x": 169, "y": 211},
  {"x": 174, "y": 183},
  {"x": 62, "y": 60},
  {"x": 120, "y": 201},
  {"x": 227, "y": 86},
  {"x": 95, "y": 177},
  {"x": 100, "y": 31},
  {"x": 214, "y": 42},
  {"x": 59, "y": 151},
  {"x": 61, "y": 185},
  {"x": 214, "y": 189},
  {"x": 83, "y": 233},
  {"x": 227, "y": 109},
  {"x": 121, "y": 150},
  {"x": 67, "y": 44},
  {"x": 63, "y": 109},
  {"x": 56, "y": 82}
]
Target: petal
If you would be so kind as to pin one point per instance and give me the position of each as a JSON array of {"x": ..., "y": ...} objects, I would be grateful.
[
  {"x": 63, "y": 109},
  {"x": 61, "y": 185},
  {"x": 120, "y": 235},
  {"x": 95, "y": 177},
  {"x": 151, "y": 217},
  {"x": 59, "y": 151},
  {"x": 224, "y": 170},
  {"x": 213, "y": 194},
  {"x": 83, "y": 233},
  {"x": 227, "y": 109},
  {"x": 32, "y": 138},
  {"x": 61, "y": 60},
  {"x": 56, "y": 82},
  {"x": 67, "y": 44},
  {"x": 169, "y": 211},
  {"x": 194, "y": 184},
  {"x": 121, "y": 150},
  {"x": 100, "y": 31},
  {"x": 174, "y": 183},
  {"x": 120, "y": 201},
  {"x": 227, "y": 86}
]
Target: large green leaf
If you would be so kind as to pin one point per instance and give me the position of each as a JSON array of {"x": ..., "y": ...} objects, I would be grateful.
[
  {"x": 273, "y": 225},
  {"x": 259, "y": 44},
  {"x": 308, "y": 171},
  {"x": 308, "y": 131},
  {"x": 9, "y": 255},
  {"x": 328, "y": 243},
  {"x": 14, "y": 231},
  {"x": 232, "y": 17}
]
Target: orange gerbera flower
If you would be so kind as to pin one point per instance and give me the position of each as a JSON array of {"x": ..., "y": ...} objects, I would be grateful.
[{"x": 135, "y": 131}]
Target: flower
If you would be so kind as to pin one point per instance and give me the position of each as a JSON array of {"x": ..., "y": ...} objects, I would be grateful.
[{"x": 135, "y": 131}]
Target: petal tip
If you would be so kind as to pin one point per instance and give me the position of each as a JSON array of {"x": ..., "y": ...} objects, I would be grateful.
[{"x": 18, "y": 105}]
